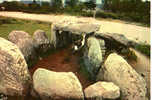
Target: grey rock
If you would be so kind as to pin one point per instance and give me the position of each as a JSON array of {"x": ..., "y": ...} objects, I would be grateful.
[
  {"x": 118, "y": 71},
  {"x": 26, "y": 44},
  {"x": 64, "y": 33},
  {"x": 102, "y": 46},
  {"x": 116, "y": 39},
  {"x": 16, "y": 36},
  {"x": 77, "y": 28},
  {"x": 15, "y": 79},
  {"x": 42, "y": 41},
  {"x": 102, "y": 90},
  {"x": 92, "y": 56},
  {"x": 57, "y": 85}
]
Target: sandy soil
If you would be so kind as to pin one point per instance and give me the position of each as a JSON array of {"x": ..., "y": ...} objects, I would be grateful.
[{"x": 131, "y": 31}]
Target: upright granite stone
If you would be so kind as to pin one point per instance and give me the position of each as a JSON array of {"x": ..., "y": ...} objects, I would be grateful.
[
  {"x": 15, "y": 79},
  {"x": 92, "y": 56},
  {"x": 26, "y": 44},
  {"x": 42, "y": 42},
  {"x": 118, "y": 71},
  {"x": 102, "y": 46},
  {"x": 57, "y": 85}
]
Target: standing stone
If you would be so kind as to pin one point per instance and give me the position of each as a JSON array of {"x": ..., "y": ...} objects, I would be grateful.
[
  {"x": 102, "y": 46},
  {"x": 14, "y": 75},
  {"x": 26, "y": 44},
  {"x": 42, "y": 41},
  {"x": 102, "y": 91},
  {"x": 57, "y": 85},
  {"x": 92, "y": 56},
  {"x": 118, "y": 71}
]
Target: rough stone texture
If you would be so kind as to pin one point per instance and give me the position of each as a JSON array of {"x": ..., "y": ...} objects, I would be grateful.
[
  {"x": 118, "y": 71},
  {"x": 57, "y": 85},
  {"x": 16, "y": 36},
  {"x": 113, "y": 40},
  {"x": 69, "y": 32},
  {"x": 42, "y": 41},
  {"x": 92, "y": 56},
  {"x": 101, "y": 91},
  {"x": 14, "y": 75},
  {"x": 77, "y": 28},
  {"x": 102, "y": 46},
  {"x": 25, "y": 43}
]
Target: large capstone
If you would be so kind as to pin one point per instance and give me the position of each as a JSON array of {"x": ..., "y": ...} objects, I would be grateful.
[
  {"x": 57, "y": 85},
  {"x": 66, "y": 33},
  {"x": 118, "y": 71},
  {"x": 115, "y": 37},
  {"x": 14, "y": 75}
]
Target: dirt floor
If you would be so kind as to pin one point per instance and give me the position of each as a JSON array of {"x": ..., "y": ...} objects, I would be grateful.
[{"x": 63, "y": 61}]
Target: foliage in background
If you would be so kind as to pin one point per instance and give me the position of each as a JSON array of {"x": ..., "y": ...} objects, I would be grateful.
[
  {"x": 132, "y": 10},
  {"x": 129, "y": 10},
  {"x": 90, "y": 5}
]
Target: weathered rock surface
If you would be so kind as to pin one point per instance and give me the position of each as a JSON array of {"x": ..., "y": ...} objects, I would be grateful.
[
  {"x": 92, "y": 56},
  {"x": 102, "y": 46},
  {"x": 14, "y": 75},
  {"x": 101, "y": 91},
  {"x": 113, "y": 40},
  {"x": 118, "y": 71},
  {"x": 41, "y": 40},
  {"x": 57, "y": 85},
  {"x": 25, "y": 43},
  {"x": 16, "y": 36},
  {"x": 64, "y": 33},
  {"x": 77, "y": 28}
]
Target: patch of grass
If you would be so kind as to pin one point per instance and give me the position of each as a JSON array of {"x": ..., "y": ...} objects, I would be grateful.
[
  {"x": 9, "y": 24},
  {"x": 143, "y": 48}
]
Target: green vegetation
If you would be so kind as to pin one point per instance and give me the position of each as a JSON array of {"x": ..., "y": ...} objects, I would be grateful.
[
  {"x": 128, "y": 10},
  {"x": 132, "y": 10},
  {"x": 9, "y": 24},
  {"x": 129, "y": 54},
  {"x": 143, "y": 48}
]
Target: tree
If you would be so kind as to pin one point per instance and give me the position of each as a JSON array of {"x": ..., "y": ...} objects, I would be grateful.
[
  {"x": 57, "y": 4},
  {"x": 90, "y": 5},
  {"x": 34, "y": 2},
  {"x": 71, "y": 3}
]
